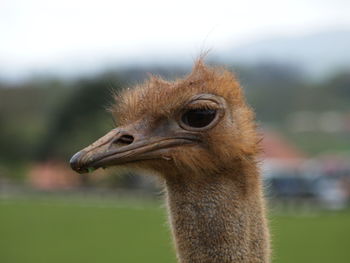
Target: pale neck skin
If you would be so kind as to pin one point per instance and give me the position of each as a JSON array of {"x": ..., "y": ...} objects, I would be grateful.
[{"x": 218, "y": 220}]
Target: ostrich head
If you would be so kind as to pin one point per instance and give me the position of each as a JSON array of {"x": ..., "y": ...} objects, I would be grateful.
[{"x": 199, "y": 124}]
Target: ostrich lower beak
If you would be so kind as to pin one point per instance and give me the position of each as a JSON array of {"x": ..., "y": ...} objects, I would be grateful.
[{"x": 123, "y": 145}]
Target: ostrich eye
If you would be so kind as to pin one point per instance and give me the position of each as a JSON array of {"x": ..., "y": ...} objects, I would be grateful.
[{"x": 198, "y": 118}]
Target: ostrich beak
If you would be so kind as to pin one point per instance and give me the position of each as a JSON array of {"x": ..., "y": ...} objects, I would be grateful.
[{"x": 129, "y": 144}]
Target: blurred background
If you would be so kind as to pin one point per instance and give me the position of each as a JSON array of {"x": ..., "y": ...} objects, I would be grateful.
[{"x": 59, "y": 63}]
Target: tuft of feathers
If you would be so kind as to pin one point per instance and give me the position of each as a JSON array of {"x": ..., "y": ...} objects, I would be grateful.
[{"x": 159, "y": 97}]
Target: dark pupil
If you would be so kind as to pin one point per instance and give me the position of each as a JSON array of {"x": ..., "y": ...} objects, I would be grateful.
[{"x": 198, "y": 118}]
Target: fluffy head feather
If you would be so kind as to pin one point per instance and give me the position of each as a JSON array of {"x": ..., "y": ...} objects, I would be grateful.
[{"x": 233, "y": 139}]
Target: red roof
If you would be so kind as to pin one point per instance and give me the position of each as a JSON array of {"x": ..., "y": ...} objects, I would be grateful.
[
  {"x": 53, "y": 175},
  {"x": 277, "y": 147}
]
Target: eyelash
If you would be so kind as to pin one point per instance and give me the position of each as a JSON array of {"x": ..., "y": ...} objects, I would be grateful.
[{"x": 200, "y": 107}]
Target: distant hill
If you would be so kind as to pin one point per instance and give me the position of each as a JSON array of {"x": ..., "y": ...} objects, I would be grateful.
[{"x": 317, "y": 54}]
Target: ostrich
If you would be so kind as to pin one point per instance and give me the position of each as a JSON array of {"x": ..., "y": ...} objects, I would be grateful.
[{"x": 199, "y": 136}]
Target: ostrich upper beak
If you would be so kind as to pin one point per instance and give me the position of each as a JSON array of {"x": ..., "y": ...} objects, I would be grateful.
[{"x": 129, "y": 144}]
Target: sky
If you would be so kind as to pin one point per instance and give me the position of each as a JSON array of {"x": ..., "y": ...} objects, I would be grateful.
[{"x": 81, "y": 35}]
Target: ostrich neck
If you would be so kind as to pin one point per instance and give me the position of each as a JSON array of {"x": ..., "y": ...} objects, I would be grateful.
[{"x": 218, "y": 220}]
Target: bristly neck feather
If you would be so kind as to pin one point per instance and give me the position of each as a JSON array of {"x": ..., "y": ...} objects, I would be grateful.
[{"x": 219, "y": 219}]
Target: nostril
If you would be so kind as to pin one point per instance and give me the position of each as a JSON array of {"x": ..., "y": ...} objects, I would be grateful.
[{"x": 124, "y": 140}]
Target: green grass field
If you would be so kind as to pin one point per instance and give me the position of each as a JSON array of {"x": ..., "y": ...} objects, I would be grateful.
[{"x": 38, "y": 231}]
